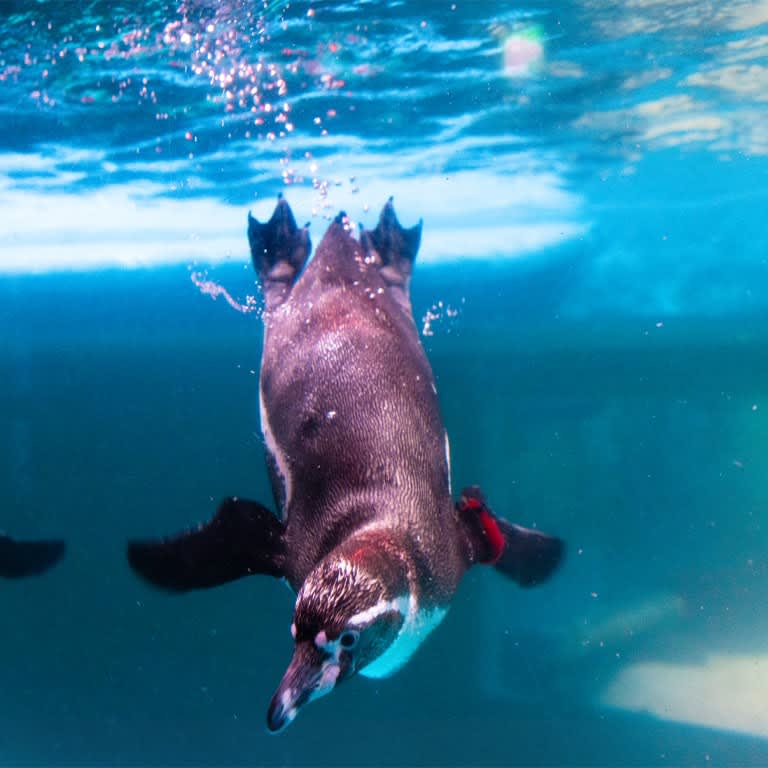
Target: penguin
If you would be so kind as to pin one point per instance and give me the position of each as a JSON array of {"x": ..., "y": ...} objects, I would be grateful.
[
  {"x": 368, "y": 535},
  {"x": 19, "y": 559}
]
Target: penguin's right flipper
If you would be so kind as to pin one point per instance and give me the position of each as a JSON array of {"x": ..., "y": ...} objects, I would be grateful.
[
  {"x": 524, "y": 555},
  {"x": 392, "y": 247},
  {"x": 241, "y": 539},
  {"x": 28, "y": 558},
  {"x": 279, "y": 250}
]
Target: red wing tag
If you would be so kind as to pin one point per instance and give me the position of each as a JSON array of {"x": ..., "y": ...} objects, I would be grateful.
[{"x": 495, "y": 537}]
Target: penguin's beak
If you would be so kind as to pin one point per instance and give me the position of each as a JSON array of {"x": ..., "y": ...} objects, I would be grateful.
[{"x": 310, "y": 675}]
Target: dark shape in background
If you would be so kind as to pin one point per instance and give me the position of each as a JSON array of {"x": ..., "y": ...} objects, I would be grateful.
[{"x": 19, "y": 559}]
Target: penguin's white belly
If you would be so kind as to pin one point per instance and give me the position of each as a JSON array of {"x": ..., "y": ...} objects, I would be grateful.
[
  {"x": 416, "y": 627},
  {"x": 278, "y": 457}
]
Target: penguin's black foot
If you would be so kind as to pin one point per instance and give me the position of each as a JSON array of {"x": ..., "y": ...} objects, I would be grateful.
[
  {"x": 28, "y": 558},
  {"x": 392, "y": 247},
  {"x": 243, "y": 538},
  {"x": 279, "y": 250},
  {"x": 524, "y": 555}
]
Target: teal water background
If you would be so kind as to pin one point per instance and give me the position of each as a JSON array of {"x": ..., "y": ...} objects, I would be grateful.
[{"x": 592, "y": 291}]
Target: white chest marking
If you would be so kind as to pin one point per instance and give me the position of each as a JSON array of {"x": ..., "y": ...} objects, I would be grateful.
[
  {"x": 274, "y": 450},
  {"x": 417, "y": 625}
]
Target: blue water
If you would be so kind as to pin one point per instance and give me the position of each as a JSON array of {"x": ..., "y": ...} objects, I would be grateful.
[{"x": 592, "y": 293}]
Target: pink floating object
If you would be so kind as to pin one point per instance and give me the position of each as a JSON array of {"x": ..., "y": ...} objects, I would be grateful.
[{"x": 521, "y": 53}]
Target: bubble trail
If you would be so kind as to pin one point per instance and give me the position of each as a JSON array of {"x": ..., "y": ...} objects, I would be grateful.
[{"x": 214, "y": 290}]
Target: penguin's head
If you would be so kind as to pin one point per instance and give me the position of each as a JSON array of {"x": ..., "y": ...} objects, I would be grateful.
[{"x": 349, "y": 611}]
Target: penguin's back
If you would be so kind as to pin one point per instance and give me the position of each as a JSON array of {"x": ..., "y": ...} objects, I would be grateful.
[{"x": 349, "y": 401}]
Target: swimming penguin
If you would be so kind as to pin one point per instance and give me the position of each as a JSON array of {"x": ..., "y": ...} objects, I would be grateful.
[
  {"x": 28, "y": 558},
  {"x": 368, "y": 535}
]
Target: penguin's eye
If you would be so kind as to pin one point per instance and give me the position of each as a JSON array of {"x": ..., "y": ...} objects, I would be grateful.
[{"x": 348, "y": 639}]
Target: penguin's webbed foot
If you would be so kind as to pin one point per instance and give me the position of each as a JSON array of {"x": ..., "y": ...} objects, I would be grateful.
[
  {"x": 524, "y": 555},
  {"x": 28, "y": 558},
  {"x": 241, "y": 539},
  {"x": 279, "y": 249},
  {"x": 391, "y": 246}
]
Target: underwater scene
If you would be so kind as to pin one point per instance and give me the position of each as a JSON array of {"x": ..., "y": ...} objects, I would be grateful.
[{"x": 590, "y": 287}]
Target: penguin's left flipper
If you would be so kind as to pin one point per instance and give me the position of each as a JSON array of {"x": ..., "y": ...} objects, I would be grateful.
[
  {"x": 28, "y": 558},
  {"x": 524, "y": 555},
  {"x": 241, "y": 539}
]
